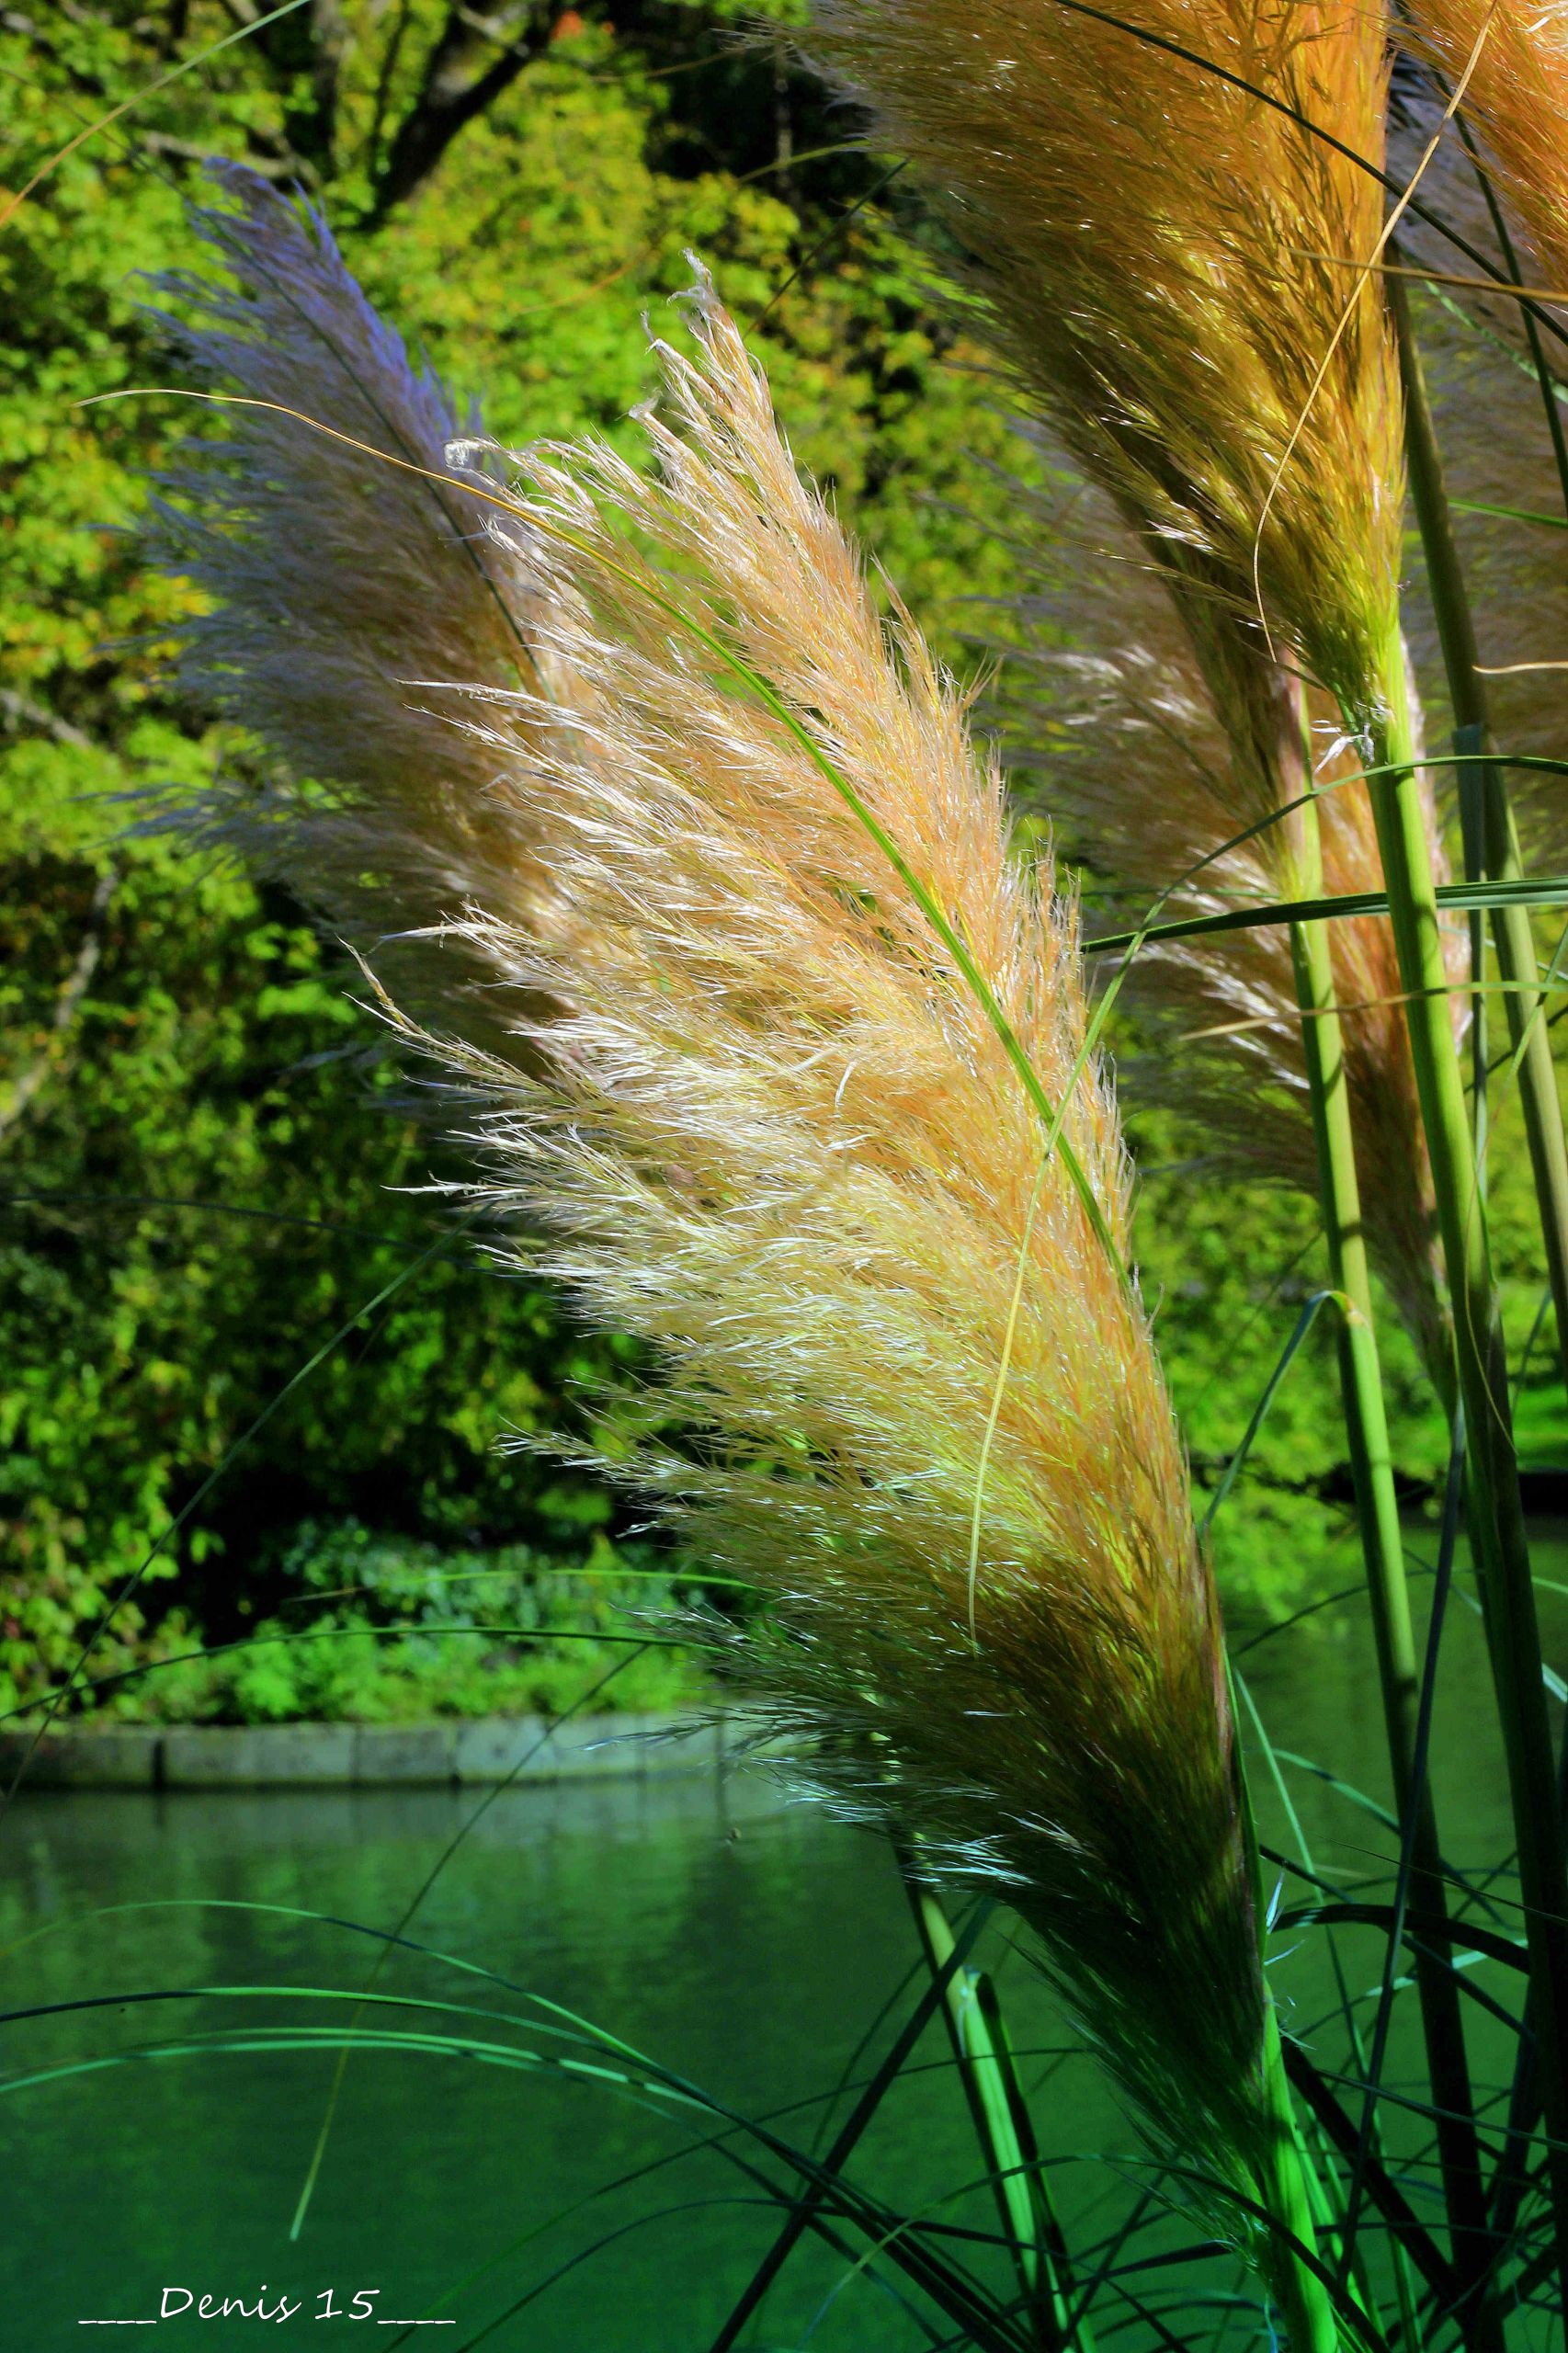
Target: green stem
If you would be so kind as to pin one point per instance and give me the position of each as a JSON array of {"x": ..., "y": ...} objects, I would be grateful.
[
  {"x": 1305, "y": 2303},
  {"x": 1284, "y": 2176},
  {"x": 1002, "y": 2126},
  {"x": 1497, "y": 1530},
  {"x": 1382, "y": 1547},
  {"x": 1511, "y": 934}
]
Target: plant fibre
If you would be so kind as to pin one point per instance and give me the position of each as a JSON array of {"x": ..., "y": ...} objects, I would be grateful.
[
  {"x": 1517, "y": 98},
  {"x": 777, "y": 1136},
  {"x": 765, "y": 1125},
  {"x": 343, "y": 598},
  {"x": 1162, "y": 254},
  {"x": 1114, "y": 736}
]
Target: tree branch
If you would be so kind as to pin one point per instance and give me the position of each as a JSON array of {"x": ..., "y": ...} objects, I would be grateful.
[
  {"x": 329, "y": 45},
  {"x": 20, "y": 712},
  {"x": 456, "y": 88}
]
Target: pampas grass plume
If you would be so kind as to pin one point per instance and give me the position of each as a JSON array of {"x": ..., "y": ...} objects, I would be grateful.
[
  {"x": 1162, "y": 254},
  {"x": 348, "y": 608},
  {"x": 764, "y": 1123},
  {"x": 1518, "y": 97},
  {"x": 776, "y": 1138},
  {"x": 1117, "y": 739}
]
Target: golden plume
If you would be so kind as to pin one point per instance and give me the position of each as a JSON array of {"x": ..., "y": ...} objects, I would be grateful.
[
  {"x": 768, "y": 1125},
  {"x": 1162, "y": 252},
  {"x": 777, "y": 1135},
  {"x": 1517, "y": 96},
  {"x": 792, "y": 1077},
  {"x": 1162, "y": 240}
]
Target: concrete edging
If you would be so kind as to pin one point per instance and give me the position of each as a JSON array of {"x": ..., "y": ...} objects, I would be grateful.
[{"x": 484, "y": 1750}]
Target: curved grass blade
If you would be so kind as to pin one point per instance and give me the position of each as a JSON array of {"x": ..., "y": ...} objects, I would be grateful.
[
  {"x": 228, "y": 1209},
  {"x": 861, "y": 2116},
  {"x": 1460, "y": 898},
  {"x": 583, "y": 1700},
  {"x": 1471, "y": 2254},
  {"x": 1398, "y": 2214},
  {"x": 846, "y": 2080},
  {"x": 1358, "y": 2327},
  {"x": 1004, "y": 2129},
  {"x": 1406, "y": 195},
  {"x": 953, "y": 2290},
  {"x": 1489, "y": 1943},
  {"x": 1237, "y": 1462},
  {"x": 1024, "y": 2306},
  {"x": 263, "y": 2042},
  {"x": 252, "y": 24},
  {"x": 660, "y": 2214}
]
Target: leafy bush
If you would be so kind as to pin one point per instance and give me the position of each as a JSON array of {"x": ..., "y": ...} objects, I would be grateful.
[{"x": 378, "y": 1629}]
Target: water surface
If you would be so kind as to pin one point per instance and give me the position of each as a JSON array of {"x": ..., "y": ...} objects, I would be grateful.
[{"x": 745, "y": 1942}]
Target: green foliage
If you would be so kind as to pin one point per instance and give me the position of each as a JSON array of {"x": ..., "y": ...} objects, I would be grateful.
[
  {"x": 378, "y": 1629},
  {"x": 193, "y": 1215},
  {"x": 200, "y": 1154}
]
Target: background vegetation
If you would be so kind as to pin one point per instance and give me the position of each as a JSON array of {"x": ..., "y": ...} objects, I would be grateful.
[{"x": 201, "y": 1152}]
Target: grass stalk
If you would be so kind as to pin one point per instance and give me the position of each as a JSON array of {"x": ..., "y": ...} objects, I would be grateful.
[
  {"x": 1382, "y": 1547},
  {"x": 1499, "y": 855},
  {"x": 1003, "y": 2126},
  {"x": 1497, "y": 1527},
  {"x": 1286, "y": 2186},
  {"x": 1512, "y": 939}
]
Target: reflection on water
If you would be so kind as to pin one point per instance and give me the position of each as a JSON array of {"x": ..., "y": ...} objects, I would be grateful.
[{"x": 746, "y": 1943}]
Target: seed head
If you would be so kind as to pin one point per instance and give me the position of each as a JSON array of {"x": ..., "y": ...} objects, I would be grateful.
[
  {"x": 774, "y": 1132},
  {"x": 1119, "y": 741},
  {"x": 1162, "y": 250},
  {"x": 351, "y": 606},
  {"x": 1517, "y": 98}
]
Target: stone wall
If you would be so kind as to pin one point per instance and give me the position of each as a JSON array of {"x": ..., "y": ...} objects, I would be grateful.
[{"x": 486, "y": 1751}]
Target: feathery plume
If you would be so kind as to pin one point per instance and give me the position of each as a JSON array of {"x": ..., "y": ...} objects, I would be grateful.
[
  {"x": 1517, "y": 98},
  {"x": 772, "y": 1131},
  {"x": 1459, "y": 188},
  {"x": 1165, "y": 254},
  {"x": 767, "y": 1126},
  {"x": 351, "y": 606},
  {"x": 1112, "y": 732},
  {"x": 1167, "y": 278}
]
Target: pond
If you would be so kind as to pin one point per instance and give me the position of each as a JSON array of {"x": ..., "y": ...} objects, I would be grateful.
[{"x": 748, "y": 1943}]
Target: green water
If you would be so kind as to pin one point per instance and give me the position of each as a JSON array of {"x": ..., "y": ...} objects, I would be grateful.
[{"x": 743, "y": 1941}]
